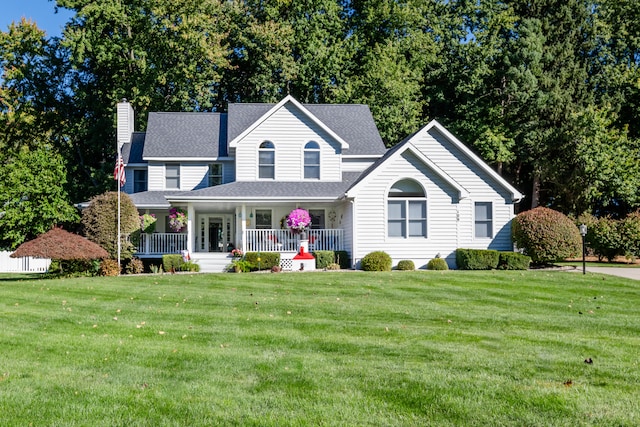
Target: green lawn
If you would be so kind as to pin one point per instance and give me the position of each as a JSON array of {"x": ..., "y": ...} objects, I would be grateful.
[{"x": 345, "y": 349}]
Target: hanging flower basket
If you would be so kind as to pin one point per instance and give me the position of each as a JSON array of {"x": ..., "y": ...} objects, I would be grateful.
[
  {"x": 298, "y": 220},
  {"x": 177, "y": 220},
  {"x": 148, "y": 223}
]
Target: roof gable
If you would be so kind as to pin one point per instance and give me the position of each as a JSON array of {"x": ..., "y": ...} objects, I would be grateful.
[
  {"x": 287, "y": 100},
  {"x": 350, "y": 124},
  {"x": 516, "y": 196},
  {"x": 407, "y": 144},
  {"x": 396, "y": 152}
]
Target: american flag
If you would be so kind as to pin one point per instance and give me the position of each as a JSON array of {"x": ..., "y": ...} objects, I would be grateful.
[{"x": 118, "y": 172}]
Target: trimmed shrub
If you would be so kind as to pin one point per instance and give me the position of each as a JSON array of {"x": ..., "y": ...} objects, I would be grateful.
[
  {"x": 604, "y": 239},
  {"x": 477, "y": 259},
  {"x": 323, "y": 258},
  {"x": 513, "y": 261},
  {"x": 172, "y": 262},
  {"x": 109, "y": 267},
  {"x": 190, "y": 266},
  {"x": 406, "y": 265},
  {"x": 134, "y": 266},
  {"x": 629, "y": 230},
  {"x": 546, "y": 235},
  {"x": 376, "y": 261},
  {"x": 437, "y": 264},
  {"x": 100, "y": 223},
  {"x": 267, "y": 260}
]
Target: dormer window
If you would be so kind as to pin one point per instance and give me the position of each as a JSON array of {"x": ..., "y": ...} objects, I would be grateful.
[
  {"x": 312, "y": 160},
  {"x": 267, "y": 160}
]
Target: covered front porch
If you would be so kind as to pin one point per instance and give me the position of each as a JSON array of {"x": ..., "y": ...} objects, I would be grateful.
[
  {"x": 257, "y": 227},
  {"x": 254, "y": 240}
]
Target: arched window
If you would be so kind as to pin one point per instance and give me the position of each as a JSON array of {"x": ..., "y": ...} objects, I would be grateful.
[
  {"x": 312, "y": 160},
  {"x": 267, "y": 160},
  {"x": 407, "y": 210}
]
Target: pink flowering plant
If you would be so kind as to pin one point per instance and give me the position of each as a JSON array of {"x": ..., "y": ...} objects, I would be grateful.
[
  {"x": 298, "y": 220},
  {"x": 237, "y": 253},
  {"x": 177, "y": 219}
]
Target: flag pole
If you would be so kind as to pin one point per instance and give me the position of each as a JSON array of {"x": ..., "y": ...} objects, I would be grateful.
[{"x": 119, "y": 184}]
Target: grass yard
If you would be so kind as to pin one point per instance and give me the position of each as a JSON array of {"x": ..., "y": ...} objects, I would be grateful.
[{"x": 328, "y": 348}]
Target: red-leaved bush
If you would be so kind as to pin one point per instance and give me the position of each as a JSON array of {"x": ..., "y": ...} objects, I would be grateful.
[{"x": 546, "y": 235}]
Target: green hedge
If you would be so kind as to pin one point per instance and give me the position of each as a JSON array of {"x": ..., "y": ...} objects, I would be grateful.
[
  {"x": 513, "y": 261},
  {"x": 171, "y": 262},
  {"x": 477, "y": 259},
  {"x": 267, "y": 259},
  {"x": 323, "y": 258}
]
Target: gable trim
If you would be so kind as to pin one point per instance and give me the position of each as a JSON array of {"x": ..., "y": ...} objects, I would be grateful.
[
  {"x": 408, "y": 146},
  {"x": 516, "y": 196},
  {"x": 278, "y": 106}
]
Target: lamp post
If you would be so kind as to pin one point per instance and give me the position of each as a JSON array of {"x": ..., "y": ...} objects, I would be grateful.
[{"x": 583, "y": 233}]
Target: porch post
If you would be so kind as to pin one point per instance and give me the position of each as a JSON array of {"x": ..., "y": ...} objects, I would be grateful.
[
  {"x": 243, "y": 227},
  {"x": 191, "y": 221}
]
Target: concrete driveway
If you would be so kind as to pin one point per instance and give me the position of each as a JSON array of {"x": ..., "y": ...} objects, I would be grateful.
[{"x": 629, "y": 273}]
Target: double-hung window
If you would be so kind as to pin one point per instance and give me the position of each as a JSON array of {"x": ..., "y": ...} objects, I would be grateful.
[
  {"x": 267, "y": 160},
  {"x": 139, "y": 180},
  {"x": 407, "y": 210},
  {"x": 483, "y": 220},
  {"x": 312, "y": 160},
  {"x": 172, "y": 176},
  {"x": 215, "y": 174}
]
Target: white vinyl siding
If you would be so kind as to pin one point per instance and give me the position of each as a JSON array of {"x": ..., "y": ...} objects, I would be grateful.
[{"x": 289, "y": 130}]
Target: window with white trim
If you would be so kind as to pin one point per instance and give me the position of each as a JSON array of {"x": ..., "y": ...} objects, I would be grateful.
[
  {"x": 263, "y": 219},
  {"x": 172, "y": 176},
  {"x": 407, "y": 210},
  {"x": 483, "y": 219},
  {"x": 215, "y": 174},
  {"x": 312, "y": 160},
  {"x": 267, "y": 160},
  {"x": 139, "y": 180}
]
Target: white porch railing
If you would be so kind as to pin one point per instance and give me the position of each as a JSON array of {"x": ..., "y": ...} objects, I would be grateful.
[
  {"x": 162, "y": 243},
  {"x": 275, "y": 240}
]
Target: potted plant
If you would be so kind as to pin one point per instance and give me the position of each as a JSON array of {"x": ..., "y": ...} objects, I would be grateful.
[
  {"x": 298, "y": 221},
  {"x": 177, "y": 220},
  {"x": 148, "y": 223}
]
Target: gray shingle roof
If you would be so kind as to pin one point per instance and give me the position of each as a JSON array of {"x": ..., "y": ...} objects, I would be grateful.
[
  {"x": 246, "y": 190},
  {"x": 197, "y": 135},
  {"x": 352, "y": 122},
  {"x": 183, "y": 135},
  {"x": 152, "y": 199},
  {"x": 132, "y": 151}
]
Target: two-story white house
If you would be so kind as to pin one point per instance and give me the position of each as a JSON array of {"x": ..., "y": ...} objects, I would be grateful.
[{"x": 238, "y": 174}]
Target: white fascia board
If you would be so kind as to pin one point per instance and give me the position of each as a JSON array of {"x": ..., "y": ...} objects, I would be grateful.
[
  {"x": 186, "y": 159},
  {"x": 462, "y": 192},
  {"x": 515, "y": 194},
  {"x": 265, "y": 116}
]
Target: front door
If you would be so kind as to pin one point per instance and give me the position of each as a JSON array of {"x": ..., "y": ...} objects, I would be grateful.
[{"x": 214, "y": 233}]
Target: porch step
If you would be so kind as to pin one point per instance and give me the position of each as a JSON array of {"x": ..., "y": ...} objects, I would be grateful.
[{"x": 212, "y": 262}]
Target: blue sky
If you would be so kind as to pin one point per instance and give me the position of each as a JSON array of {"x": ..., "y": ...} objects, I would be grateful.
[{"x": 41, "y": 11}]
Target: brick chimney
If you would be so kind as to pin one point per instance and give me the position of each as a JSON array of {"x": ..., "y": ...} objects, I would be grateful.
[{"x": 125, "y": 122}]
